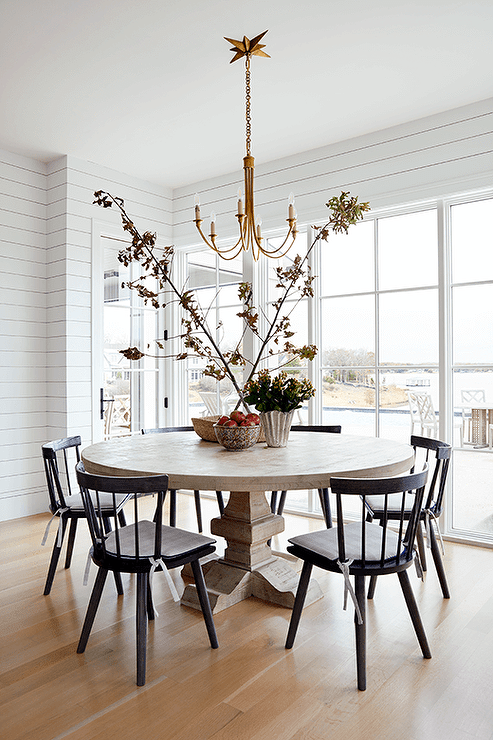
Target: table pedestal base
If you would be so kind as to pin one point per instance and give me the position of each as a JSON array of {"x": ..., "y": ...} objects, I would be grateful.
[
  {"x": 248, "y": 567},
  {"x": 275, "y": 582}
]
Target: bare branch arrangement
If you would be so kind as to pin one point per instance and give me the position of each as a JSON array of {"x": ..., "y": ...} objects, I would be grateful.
[{"x": 294, "y": 282}]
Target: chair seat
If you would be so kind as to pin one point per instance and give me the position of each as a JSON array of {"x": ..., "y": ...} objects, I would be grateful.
[
  {"x": 394, "y": 501},
  {"x": 175, "y": 542},
  {"x": 325, "y": 543},
  {"x": 376, "y": 505},
  {"x": 76, "y": 503}
]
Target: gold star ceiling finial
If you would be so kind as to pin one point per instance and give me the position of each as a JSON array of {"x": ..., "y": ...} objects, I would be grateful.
[{"x": 247, "y": 47}]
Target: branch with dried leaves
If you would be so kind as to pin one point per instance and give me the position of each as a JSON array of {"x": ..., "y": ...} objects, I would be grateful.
[{"x": 295, "y": 281}]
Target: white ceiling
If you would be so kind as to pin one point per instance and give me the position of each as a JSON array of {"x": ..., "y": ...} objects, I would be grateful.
[{"x": 145, "y": 87}]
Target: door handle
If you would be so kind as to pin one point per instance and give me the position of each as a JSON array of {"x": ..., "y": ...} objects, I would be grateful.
[{"x": 102, "y": 401}]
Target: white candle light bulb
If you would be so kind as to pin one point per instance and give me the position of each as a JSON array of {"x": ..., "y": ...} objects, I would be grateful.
[
  {"x": 240, "y": 203},
  {"x": 197, "y": 206},
  {"x": 291, "y": 211}
]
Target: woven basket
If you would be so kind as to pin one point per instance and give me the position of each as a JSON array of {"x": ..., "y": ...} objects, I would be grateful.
[{"x": 204, "y": 427}]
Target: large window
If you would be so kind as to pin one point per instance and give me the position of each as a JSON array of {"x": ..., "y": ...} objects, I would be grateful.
[
  {"x": 404, "y": 306},
  {"x": 379, "y": 322},
  {"x": 215, "y": 285},
  {"x": 295, "y": 309}
]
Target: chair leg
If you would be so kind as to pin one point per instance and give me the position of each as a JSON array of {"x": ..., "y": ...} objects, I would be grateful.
[
  {"x": 273, "y": 506},
  {"x": 360, "y": 630},
  {"x": 116, "y": 574},
  {"x": 121, "y": 518},
  {"x": 141, "y": 626},
  {"x": 282, "y": 502},
  {"x": 172, "y": 508},
  {"x": 55, "y": 555},
  {"x": 150, "y": 603},
  {"x": 220, "y": 501},
  {"x": 118, "y": 582},
  {"x": 198, "y": 509},
  {"x": 371, "y": 587},
  {"x": 298, "y": 603},
  {"x": 414, "y": 613},
  {"x": 437, "y": 559},
  {"x": 70, "y": 542},
  {"x": 421, "y": 545},
  {"x": 92, "y": 608},
  {"x": 204, "y": 602},
  {"x": 325, "y": 504}
]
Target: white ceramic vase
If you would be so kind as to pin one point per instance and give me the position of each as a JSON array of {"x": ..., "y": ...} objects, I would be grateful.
[{"x": 276, "y": 426}]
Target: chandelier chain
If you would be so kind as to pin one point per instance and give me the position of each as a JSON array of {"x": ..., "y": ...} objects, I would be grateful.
[{"x": 248, "y": 98}]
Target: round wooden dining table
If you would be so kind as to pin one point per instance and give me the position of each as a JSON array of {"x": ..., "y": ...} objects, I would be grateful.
[{"x": 248, "y": 567}]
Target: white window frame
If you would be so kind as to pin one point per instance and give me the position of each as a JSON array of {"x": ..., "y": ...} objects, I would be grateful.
[{"x": 252, "y": 271}]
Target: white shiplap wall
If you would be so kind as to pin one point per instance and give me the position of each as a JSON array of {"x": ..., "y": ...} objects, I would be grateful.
[
  {"x": 23, "y": 332},
  {"x": 432, "y": 157},
  {"x": 71, "y": 185},
  {"x": 46, "y": 226}
]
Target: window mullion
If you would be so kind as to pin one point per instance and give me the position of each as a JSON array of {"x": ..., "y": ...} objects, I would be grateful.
[
  {"x": 377, "y": 329},
  {"x": 315, "y": 405}
]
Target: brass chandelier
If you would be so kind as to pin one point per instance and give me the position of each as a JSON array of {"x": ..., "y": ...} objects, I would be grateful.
[{"x": 250, "y": 231}]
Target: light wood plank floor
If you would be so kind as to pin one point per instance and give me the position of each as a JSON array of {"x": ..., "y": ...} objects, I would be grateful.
[{"x": 251, "y": 688}]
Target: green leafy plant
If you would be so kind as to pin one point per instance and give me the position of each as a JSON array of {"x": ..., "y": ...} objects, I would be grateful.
[
  {"x": 280, "y": 392},
  {"x": 198, "y": 339}
]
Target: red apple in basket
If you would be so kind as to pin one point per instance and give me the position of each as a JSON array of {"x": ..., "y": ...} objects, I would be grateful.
[
  {"x": 222, "y": 421},
  {"x": 247, "y": 423},
  {"x": 230, "y": 423},
  {"x": 237, "y": 416},
  {"x": 253, "y": 417}
]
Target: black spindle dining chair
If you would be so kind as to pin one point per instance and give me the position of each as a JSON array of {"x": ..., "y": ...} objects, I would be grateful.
[
  {"x": 361, "y": 548},
  {"x": 142, "y": 547},
  {"x": 430, "y": 511},
  {"x": 60, "y": 458}
]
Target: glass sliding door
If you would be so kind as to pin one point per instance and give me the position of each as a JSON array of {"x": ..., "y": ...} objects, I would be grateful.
[
  {"x": 129, "y": 388},
  {"x": 472, "y": 334}
]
